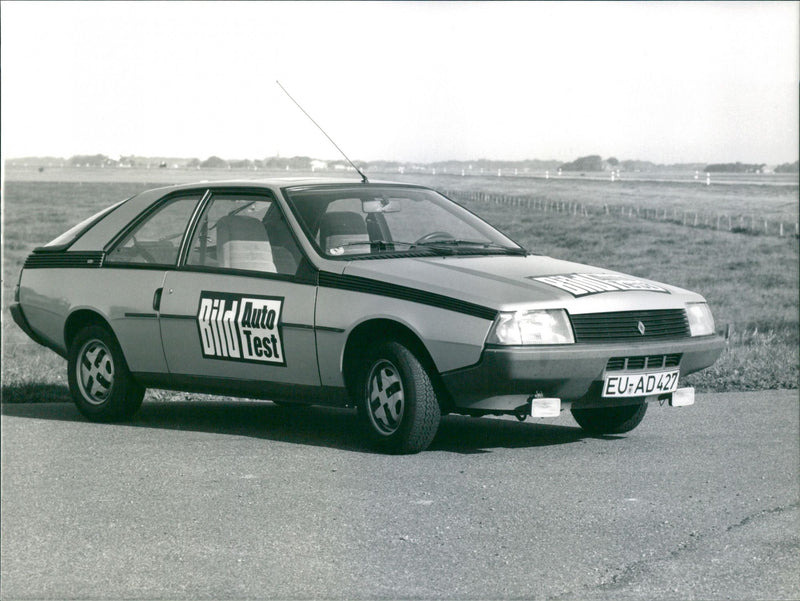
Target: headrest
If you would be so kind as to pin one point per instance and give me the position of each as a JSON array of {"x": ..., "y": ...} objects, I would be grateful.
[{"x": 342, "y": 223}]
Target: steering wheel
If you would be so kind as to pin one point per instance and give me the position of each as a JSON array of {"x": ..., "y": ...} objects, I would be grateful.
[{"x": 433, "y": 236}]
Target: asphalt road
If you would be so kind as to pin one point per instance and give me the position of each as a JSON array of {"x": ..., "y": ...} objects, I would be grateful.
[{"x": 202, "y": 500}]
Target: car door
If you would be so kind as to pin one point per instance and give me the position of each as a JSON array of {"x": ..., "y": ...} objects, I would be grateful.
[
  {"x": 239, "y": 308},
  {"x": 138, "y": 259}
]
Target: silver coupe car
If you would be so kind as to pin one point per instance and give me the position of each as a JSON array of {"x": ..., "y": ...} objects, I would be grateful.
[{"x": 387, "y": 297}]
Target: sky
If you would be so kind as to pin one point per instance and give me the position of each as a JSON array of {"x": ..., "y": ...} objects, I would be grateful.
[{"x": 667, "y": 82}]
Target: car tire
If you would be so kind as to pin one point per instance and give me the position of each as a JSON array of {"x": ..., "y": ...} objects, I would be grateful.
[
  {"x": 397, "y": 402},
  {"x": 610, "y": 420},
  {"x": 99, "y": 380}
]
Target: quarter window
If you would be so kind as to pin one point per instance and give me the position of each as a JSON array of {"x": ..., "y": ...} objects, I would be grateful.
[{"x": 157, "y": 240}]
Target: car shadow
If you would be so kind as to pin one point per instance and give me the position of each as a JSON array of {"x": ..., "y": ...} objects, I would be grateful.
[{"x": 295, "y": 424}]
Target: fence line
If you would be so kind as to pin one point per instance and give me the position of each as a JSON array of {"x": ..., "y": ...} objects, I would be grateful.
[{"x": 737, "y": 224}]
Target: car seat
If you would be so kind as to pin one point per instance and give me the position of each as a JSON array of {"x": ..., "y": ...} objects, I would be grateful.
[
  {"x": 285, "y": 252},
  {"x": 242, "y": 244},
  {"x": 340, "y": 229}
]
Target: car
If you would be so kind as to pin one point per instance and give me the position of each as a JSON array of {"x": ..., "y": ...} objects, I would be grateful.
[{"x": 388, "y": 297}]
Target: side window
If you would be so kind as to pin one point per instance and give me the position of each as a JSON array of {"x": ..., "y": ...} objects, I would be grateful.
[
  {"x": 157, "y": 240},
  {"x": 244, "y": 232}
]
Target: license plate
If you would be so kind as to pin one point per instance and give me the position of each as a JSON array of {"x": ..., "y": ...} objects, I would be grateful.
[{"x": 644, "y": 384}]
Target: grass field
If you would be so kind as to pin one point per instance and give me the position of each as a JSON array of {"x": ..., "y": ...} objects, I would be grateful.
[{"x": 750, "y": 281}]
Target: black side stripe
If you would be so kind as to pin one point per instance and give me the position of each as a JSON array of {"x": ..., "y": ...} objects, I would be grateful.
[{"x": 369, "y": 286}]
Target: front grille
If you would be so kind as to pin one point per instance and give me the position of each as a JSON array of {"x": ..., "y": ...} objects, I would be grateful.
[
  {"x": 624, "y": 326},
  {"x": 648, "y": 362}
]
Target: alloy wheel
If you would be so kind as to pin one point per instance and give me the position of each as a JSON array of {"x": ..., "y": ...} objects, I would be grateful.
[
  {"x": 386, "y": 397},
  {"x": 96, "y": 372}
]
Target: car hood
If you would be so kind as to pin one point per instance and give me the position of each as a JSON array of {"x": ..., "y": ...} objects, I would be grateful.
[{"x": 509, "y": 283}]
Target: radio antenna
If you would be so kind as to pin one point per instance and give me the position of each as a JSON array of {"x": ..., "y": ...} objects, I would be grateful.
[{"x": 364, "y": 179}]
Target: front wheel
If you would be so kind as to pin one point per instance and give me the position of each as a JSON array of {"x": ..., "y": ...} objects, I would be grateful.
[
  {"x": 99, "y": 381},
  {"x": 397, "y": 401},
  {"x": 610, "y": 420}
]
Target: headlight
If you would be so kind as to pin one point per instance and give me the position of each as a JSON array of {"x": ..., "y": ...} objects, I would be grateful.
[
  {"x": 701, "y": 322},
  {"x": 532, "y": 327}
]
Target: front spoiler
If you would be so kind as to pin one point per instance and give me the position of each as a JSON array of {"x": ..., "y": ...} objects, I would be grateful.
[{"x": 506, "y": 378}]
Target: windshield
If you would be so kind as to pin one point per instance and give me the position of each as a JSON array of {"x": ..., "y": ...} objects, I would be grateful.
[{"x": 364, "y": 220}]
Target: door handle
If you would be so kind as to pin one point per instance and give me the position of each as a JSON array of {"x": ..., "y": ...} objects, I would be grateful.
[{"x": 157, "y": 299}]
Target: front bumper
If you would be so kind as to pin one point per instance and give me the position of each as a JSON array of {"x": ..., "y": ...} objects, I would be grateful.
[{"x": 505, "y": 378}]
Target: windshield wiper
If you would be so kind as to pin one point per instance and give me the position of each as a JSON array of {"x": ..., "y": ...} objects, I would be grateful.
[
  {"x": 447, "y": 246},
  {"x": 389, "y": 245},
  {"x": 379, "y": 244},
  {"x": 450, "y": 242}
]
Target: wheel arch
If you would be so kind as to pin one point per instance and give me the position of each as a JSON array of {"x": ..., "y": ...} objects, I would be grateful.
[
  {"x": 367, "y": 333},
  {"x": 80, "y": 319}
]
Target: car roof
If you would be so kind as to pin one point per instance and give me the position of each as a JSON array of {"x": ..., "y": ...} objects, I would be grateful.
[{"x": 278, "y": 182}]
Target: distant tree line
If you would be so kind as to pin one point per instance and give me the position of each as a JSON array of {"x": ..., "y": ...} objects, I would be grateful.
[
  {"x": 593, "y": 162},
  {"x": 788, "y": 168},
  {"x": 91, "y": 160},
  {"x": 735, "y": 168}
]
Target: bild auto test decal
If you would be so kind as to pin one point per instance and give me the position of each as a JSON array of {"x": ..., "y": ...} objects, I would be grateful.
[
  {"x": 581, "y": 284},
  {"x": 236, "y": 327}
]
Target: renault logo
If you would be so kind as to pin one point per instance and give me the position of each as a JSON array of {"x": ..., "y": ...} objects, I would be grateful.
[{"x": 641, "y": 328}]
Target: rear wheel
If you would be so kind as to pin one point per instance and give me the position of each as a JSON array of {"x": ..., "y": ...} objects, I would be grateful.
[
  {"x": 99, "y": 381},
  {"x": 397, "y": 401},
  {"x": 610, "y": 420}
]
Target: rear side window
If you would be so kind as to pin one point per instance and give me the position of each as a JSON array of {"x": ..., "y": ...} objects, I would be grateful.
[
  {"x": 157, "y": 239},
  {"x": 75, "y": 232}
]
